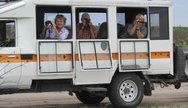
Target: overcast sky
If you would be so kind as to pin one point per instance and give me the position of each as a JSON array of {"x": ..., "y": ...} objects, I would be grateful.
[{"x": 180, "y": 12}]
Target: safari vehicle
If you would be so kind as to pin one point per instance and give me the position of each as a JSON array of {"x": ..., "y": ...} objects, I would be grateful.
[{"x": 122, "y": 69}]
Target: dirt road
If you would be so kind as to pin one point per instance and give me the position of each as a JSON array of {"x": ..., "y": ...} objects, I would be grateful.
[{"x": 161, "y": 98}]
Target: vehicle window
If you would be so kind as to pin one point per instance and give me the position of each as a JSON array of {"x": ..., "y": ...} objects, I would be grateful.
[
  {"x": 126, "y": 17},
  {"x": 7, "y": 33},
  {"x": 46, "y": 16},
  {"x": 91, "y": 23},
  {"x": 159, "y": 25},
  {"x": 121, "y": 18}
]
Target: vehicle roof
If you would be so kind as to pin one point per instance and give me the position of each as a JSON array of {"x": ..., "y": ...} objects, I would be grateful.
[
  {"x": 29, "y": 4},
  {"x": 103, "y": 2}
]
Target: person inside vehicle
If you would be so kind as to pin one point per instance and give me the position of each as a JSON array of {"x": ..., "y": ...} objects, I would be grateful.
[
  {"x": 86, "y": 29},
  {"x": 56, "y": 30},
  {"x": 137, "y": 30}
]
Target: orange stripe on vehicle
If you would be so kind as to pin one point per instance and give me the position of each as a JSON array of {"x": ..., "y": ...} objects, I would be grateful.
[
  {"x": 76, "y": 57},
  {"x": 53, "y": 57},
  {"x": 13, "y": 58},
  {"x": 6, "y": 58},
  {"x": 88, "y": 57},
  {"x": 160, "y": 55},
  {"x": 115, "y": 56},
  {"x": 126, "y": 56}
]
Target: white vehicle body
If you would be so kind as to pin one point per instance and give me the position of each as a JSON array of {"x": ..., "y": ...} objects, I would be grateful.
[{"x": 83, "y": 61}]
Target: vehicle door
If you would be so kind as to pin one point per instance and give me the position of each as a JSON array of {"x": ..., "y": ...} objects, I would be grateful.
[
  {"x": 94, "y": 54},
  {"x": 161, "y": 40},
  {"x": 55, "y": 56},
  {"x": 10, "y": 57},
  {"x": 134, "y": 54}
]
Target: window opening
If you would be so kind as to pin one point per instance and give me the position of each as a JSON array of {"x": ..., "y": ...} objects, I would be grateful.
[
  {"x": 126, "y": 19},
  {"x": 159, "y": 25},
  {"x": 7, "y": 33},
  {"x": 46, "y": 16},
  {"x": 91, "y": 23}
]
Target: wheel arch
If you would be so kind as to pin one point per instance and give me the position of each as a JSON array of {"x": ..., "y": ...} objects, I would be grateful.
[{"x": 138, "y": 73}]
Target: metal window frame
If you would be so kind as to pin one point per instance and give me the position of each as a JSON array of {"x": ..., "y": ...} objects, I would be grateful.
[
  {"x": 50, "y": 9},
  {"x": 159, "y": 38},
  {"x": 55, "y": 42},
  {"x": 16, "y": 31},
  {"x": 134, "y": 41},
  {"x": 95, "y": 52}
]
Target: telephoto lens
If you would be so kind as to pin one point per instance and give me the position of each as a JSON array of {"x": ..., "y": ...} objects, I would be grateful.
[
  {"x": 87, "y": 22},
  {"x": 48, "y": 24}
]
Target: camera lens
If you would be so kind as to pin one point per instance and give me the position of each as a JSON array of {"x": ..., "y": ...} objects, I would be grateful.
[{"x": 49, "y": 25}]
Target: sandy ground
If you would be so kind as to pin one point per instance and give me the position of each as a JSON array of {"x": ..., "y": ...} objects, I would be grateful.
[{"x": 162, "y": 98}]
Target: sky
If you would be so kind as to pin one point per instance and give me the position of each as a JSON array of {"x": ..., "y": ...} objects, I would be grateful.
[{"x": 180, "y": 13}]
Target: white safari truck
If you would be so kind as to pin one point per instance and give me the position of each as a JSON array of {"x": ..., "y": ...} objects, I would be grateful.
[{"x": 122, "y": 69}]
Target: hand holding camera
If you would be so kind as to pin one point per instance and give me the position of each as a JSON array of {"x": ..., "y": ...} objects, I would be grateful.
[
  {"x": 138, "y": 24},
  {"x": 86, "y": 22},
  {"x": 49, "y": 24}
]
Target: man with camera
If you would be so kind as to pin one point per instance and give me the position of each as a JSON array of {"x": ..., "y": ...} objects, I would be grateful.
[
  {"x": 137, "y": 30},
  {"x": 86, "y": 30}
]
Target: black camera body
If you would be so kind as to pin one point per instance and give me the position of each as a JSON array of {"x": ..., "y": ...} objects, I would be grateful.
[
  {"x": 87, "y": 22},
  {"x": 48, "y": 24}
]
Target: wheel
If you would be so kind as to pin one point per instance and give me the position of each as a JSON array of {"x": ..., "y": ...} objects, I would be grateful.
[
  {"x": 177, "y": 85},
  {"x": 126, "y": 91},
  {"x": 179, "y": 62},
  {"x": 186, "y": 64},
  {"x": 88, "y": 98}
]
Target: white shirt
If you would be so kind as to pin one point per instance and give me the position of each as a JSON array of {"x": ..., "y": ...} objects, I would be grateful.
[{"x": 50, "y": 34}]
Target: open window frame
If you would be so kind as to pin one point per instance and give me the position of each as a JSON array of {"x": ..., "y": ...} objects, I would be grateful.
[
  {"x": 8, "y": 33},
  {"x": 41, "y": 10}
]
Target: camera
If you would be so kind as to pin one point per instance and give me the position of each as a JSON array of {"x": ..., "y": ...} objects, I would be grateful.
[
  {"x": 48, "y": 24},
  {"x": 87, "y": 21}
]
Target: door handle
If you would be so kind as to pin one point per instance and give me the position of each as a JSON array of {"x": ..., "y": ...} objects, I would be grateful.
[{"x": 11, "y": 56}]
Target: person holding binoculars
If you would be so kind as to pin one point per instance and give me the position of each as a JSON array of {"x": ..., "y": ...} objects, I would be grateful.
[
  {"x": 56, "y": 30},
  {"x": 86, "y": 29}
]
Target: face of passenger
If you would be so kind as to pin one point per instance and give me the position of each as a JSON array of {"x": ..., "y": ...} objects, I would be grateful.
[
  {"x": 59, "y": 22},
  {"x": 85, "y": 18},
  {"x": 141, "y": 21}
]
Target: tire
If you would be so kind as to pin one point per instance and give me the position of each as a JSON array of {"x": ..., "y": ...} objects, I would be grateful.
[
  {"x": 88, "y": 98},
  {"x": 179, "y": 62},
  {"x": 129, "y": 83},
  {"x": 186, "y": 56}
]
